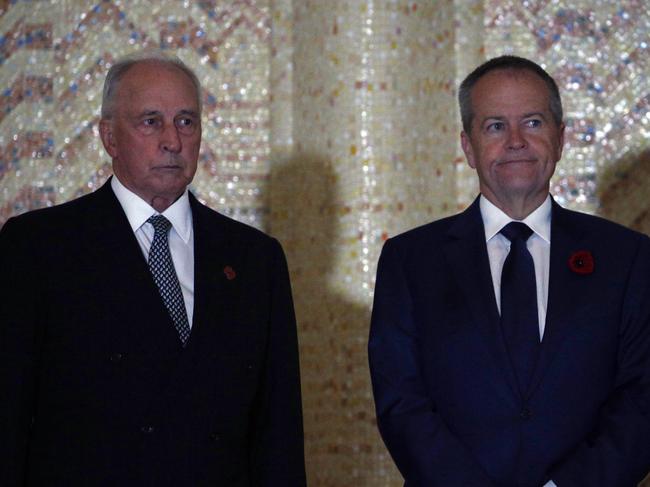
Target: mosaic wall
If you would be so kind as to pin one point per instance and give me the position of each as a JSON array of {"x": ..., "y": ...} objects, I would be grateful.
[
  {"x": 369, "y": 83},
  {"x": 54, "y": 55},
  {"x": 598, "y": 51},
  {"x": 331, "y": 124}
]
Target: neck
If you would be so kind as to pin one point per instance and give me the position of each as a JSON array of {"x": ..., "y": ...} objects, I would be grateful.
[
  {"x": 160, "y": 203},
  {"x": 517, "y": 208}
]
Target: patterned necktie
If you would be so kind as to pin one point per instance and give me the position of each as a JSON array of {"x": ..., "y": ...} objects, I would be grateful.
[
  {"x": 164, "y": 275},
  {"x": 519, "y": 320}
]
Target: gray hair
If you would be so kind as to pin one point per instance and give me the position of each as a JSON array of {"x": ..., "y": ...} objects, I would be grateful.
[
  {"x": 506, "y": 63},
  {"x": 125, "y": 63}
]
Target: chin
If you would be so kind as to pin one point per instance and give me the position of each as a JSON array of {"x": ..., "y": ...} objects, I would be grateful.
[{"x": 171, "y": 189}]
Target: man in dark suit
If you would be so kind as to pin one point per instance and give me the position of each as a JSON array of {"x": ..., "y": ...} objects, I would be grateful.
[
  {"x": 145, "y": 339},
  {"x": 510, "y": 344}
]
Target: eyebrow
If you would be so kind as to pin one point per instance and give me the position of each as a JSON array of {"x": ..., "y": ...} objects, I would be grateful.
[
  {"x": 150, "y": 112},
  {"x": 192, "y": 113},
  {"x": 491, "y": 118},
  {"x": 534, "y": 114},
  {"x": 525, "y": 115}
]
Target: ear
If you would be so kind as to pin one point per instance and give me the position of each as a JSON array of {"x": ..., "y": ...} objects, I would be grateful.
[
  {"x": 560, "y": 141},
  {"x": 106, "y": 134},
  {"x": 466, "y": 144}
]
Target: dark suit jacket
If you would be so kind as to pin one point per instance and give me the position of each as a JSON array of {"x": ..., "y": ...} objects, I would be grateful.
[
  {"x": 96, "y": 388},
  {"x": 447, "y": 402}
]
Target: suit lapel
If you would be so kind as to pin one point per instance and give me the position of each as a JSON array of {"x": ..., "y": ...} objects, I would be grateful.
[
  {"x": 216, "y": 262},
  {"x": 209, "y": 248},
  {"x": 564, "y": 289},
  {"x": 466, "y": 253},
  {"x": 114, "y": 251}
]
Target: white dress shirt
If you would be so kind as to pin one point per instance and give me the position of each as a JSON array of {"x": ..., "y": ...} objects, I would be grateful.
[
  {"x": 181, "y": 235},
  {"x": 539, "y": 246}
]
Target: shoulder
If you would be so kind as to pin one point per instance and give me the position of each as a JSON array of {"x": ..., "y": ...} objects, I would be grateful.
[
  {"x": 217, "y": 225},
  {"x": 424, "y": 246},
  {"x": 58, "y": 218},
  {"x": 618, "y": 251},
  {"x": 595, "y": 228},
  {"x": 49, "y": 233},
  {"x": 425, "y": 236}
]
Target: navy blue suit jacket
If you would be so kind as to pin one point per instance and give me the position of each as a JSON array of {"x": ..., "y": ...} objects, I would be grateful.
[
  {"x": 448, "y": 406},
  {"x": 96, "y": 388}
]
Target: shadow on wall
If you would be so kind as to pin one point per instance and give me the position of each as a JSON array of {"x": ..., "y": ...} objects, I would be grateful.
[
  {"x": 625, "y": 198},
  {"x": 342, "y": 446},
  {"x": 625, "y": 192}
]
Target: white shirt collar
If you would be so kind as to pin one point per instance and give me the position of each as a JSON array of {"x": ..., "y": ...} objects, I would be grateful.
[
  {"x": 138, "y": 210},
  {"x": 494, "y": 219}
]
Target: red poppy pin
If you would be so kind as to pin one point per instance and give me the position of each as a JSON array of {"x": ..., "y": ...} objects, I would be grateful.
[
  {"x": 229, "y": 272},
  {"x": 581, "y": 262}
]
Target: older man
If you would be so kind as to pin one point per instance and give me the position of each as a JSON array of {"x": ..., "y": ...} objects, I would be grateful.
[
  {"x": 144, "y": 338},
  {"x": 510, "y": 344}
]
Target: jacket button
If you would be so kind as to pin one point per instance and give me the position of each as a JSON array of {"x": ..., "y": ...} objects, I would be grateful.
[
  {"x": 525, "y": 414},
  {"x": 148, "y": 429}
]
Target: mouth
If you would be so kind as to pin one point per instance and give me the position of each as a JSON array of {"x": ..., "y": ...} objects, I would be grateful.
[
  {"x": 517, "y": 161},
  {"x": 168, "y": 167}
]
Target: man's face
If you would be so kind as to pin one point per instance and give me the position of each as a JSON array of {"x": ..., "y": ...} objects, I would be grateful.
[
  {"x": 155, "y": 132},
  {"x": 514, "y": 142}
]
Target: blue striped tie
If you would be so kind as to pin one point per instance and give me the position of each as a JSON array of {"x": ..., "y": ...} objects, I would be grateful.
[{"x": 164, "y": 275}]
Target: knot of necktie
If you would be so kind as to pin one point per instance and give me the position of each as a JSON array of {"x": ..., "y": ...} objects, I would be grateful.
[
  {"x": 161, "y": 225},
  {"x": 516, "y": 231}
]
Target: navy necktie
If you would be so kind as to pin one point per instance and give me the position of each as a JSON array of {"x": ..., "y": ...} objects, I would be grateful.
[
  {"x": 519, "y": 320},
  {"x": 164, "y": 275}
]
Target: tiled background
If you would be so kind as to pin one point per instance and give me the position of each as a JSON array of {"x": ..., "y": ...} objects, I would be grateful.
[{"x": 332, "y": 125}]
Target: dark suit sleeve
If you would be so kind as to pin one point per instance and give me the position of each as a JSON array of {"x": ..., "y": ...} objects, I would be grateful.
[
  {"x": 617, "y": 452},
  {"x": 424, "y": 449},
  {"x": 19, "y": 307},
  {"x": 277, "y": 458}
]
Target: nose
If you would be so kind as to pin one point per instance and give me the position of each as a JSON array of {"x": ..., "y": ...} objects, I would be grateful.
[
  {"x": 516, "y": 139},
  {"x": 170, "y": 140}
]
